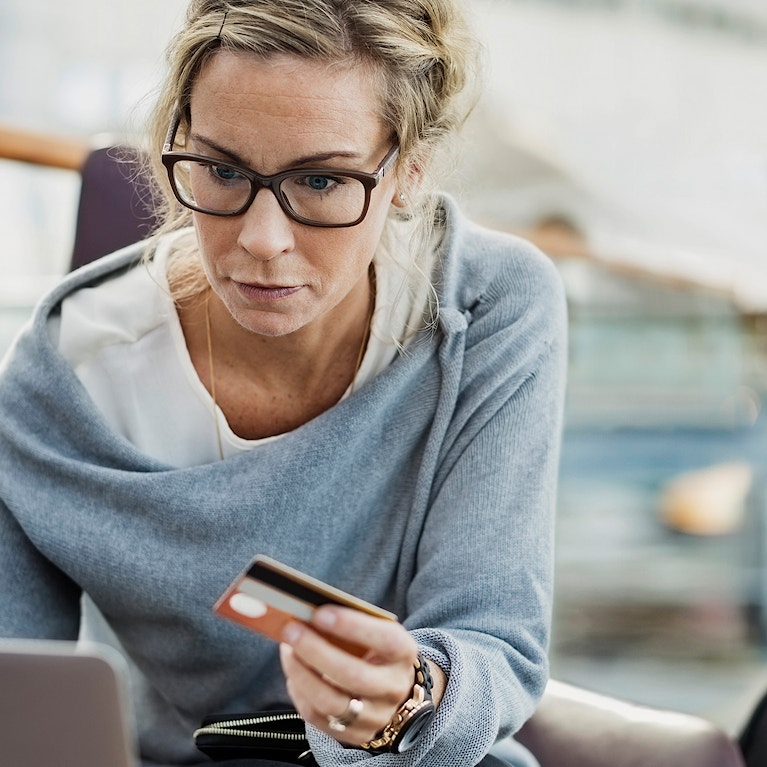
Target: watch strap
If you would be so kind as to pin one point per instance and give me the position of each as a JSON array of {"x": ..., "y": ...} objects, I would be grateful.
[{"x": 411, "y": 717}]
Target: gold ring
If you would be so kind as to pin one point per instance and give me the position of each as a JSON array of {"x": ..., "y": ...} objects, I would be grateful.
[{"x": 340, "y": 723}]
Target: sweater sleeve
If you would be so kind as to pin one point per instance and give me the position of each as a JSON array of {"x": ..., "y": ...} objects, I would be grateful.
[
  {"x": 36, "y": 600},
  {"x": 480, "y": 602}
]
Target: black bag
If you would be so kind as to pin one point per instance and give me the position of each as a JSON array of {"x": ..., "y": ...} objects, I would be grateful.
[{"x": 278, "y": 735}]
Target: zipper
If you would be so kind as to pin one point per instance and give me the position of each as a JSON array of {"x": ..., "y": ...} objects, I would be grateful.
[{"x": 229, "y": 728}]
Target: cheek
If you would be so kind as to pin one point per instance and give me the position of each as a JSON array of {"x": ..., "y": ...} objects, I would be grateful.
[
  {"x": 369, "y": 232},
  {"x": 211, "y": 228},
  {"x": 359, "y": 243},
  {"x": 341, "y": 251},
  {"x": 214, "y": 238},
  {"x": 203, "y": 246}
]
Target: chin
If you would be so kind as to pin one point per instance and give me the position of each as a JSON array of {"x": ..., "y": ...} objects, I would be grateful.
[{"x": 274, "y": 327}]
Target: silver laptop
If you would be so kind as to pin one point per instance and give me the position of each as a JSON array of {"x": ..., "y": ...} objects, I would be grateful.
[{"x": 63, "y": 704}]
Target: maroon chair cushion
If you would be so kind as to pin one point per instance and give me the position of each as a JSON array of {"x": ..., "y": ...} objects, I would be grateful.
[{"x": 114, "y": 208}]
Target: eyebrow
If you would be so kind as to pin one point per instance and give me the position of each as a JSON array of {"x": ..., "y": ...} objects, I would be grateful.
[{"x": 305, "y": 160}]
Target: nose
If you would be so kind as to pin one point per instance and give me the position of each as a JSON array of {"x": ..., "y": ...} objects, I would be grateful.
[{"x": 266, "y": 231}]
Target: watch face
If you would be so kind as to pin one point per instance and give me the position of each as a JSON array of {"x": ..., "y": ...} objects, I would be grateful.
[{"x": 412, "y": 729}]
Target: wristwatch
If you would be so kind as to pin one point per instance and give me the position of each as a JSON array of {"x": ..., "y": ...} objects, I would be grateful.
[{"x": 410, "y": 719}]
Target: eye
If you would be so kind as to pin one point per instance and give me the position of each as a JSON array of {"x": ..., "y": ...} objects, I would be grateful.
[
  {"x": 320, "y": 183},
  {"x": 223, "y": 173}
]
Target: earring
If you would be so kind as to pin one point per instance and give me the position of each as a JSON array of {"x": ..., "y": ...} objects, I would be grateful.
[{"x": 402, "y": 197}]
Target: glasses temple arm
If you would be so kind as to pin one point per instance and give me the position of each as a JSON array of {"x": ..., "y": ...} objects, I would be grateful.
[
  {"x": 388, "y": 161},
  {"x": 170, "y": 136}
]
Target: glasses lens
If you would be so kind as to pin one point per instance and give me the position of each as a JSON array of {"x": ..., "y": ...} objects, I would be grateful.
[
  {"x": 327, "y": 199},
  {"x": 324, "y": 199},
  {"x": 209, "y": 185}
]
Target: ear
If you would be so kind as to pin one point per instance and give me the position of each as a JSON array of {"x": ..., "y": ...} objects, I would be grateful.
[{"x": 408, "y": 181}]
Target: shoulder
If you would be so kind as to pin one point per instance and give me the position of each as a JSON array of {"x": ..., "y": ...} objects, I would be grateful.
[
  {"x": 498, "y": 280},
  {"x": 114, "y": 301}
]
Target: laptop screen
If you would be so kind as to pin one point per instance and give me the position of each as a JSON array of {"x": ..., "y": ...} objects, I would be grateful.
[{"x": 63, "y": 703}]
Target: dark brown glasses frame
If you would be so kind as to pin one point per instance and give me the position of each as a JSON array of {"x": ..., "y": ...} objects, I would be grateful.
[{"x": 258, "y": 181}]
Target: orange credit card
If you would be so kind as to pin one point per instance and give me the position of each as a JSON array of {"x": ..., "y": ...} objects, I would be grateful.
[{"x": 268, "y": 595}]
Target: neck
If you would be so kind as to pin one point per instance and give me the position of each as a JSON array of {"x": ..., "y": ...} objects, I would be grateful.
[
  {"x": 270, "y": 385},
  {"x": 328, "y": 350}
]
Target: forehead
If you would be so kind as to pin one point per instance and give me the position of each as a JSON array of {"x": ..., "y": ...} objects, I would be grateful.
[{"x": 287, "y": 99}]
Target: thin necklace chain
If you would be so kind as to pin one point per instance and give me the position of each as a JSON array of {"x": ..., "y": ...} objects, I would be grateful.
[
  {"x": 212, "y": 375},
  {"x": 368, "y": 324},
  {"x": 357, "y": 364}
]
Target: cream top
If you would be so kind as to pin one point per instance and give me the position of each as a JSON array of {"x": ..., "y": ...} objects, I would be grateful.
[{"x": 124, "y": 340}]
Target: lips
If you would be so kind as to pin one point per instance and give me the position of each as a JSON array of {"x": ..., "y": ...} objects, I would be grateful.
[{"x": 268, "y": 292}]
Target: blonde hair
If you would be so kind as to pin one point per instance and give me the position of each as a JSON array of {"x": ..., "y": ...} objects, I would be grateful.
[{"x": 420, "y": 52}]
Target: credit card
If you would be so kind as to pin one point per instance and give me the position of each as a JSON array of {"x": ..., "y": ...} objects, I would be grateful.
[{"x": 268, "y": 595}]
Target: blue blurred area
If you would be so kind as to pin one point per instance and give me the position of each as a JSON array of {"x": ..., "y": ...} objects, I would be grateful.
[
  {"x": 664, "y": 379},
  {"x": 666, "y": 383},
  {"x": 650, "y": 457}
]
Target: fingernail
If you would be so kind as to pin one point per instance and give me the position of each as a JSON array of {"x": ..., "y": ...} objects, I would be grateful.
[
  {"x": 292, "y": 633},
  {"x": 325, "y": 618}
]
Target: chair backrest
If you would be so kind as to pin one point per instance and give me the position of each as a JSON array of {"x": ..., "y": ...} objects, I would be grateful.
[
  {"x": 574, "y": 727},
  {"x": 753, "y": 738},
  {"x": 115, "y": 208}
]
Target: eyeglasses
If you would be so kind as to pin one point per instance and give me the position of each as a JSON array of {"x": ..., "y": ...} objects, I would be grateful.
[{"x": 312, "y": 196}]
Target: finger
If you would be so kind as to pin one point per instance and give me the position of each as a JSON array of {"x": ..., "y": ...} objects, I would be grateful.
[
  {"x": 387, "y": 680},
  {"x": 383, "y": 638},
  {"x": 309, "y": 688},
  {"x": 324, "y": 705}
]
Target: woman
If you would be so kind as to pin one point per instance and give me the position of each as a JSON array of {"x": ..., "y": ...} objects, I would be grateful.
[{"x": 320, "y": 360}]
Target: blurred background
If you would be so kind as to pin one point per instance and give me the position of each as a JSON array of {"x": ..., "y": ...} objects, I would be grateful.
[{"x": 628, "y": 139}]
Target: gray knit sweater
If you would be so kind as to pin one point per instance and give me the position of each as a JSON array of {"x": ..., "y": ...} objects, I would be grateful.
[{"x": 429, "y": 491}]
